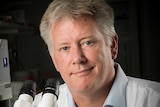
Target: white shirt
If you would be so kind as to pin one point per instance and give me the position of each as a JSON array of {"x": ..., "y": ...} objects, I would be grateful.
[{"x": 125, "y": 92}]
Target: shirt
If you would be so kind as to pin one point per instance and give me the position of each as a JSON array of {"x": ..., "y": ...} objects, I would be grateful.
[
  {"x": 142, "y": 93},
  {"x": 125, "y": 92}
]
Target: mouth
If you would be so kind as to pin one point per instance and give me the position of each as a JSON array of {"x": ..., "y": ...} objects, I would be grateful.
[{"x": 83, "y": 72}]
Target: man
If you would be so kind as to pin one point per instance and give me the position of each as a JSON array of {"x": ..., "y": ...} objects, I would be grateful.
[{"x": 83, "y": 44}]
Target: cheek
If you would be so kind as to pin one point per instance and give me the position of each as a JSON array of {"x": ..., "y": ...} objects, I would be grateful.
[
  {"x": 60, "y": 62},
  {"x": 63, "y": 67},
  {"x": 103, "y": 58},
  {"x": 100, "y": 54}
]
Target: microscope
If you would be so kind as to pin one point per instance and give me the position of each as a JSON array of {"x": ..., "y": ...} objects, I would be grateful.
[{"x": 5, "y": 79}]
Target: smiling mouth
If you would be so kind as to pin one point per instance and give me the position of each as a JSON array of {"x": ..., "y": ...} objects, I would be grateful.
[{"x": 84, "y": 72}]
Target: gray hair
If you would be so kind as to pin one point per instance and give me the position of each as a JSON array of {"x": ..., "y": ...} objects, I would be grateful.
[{"x": 98, "y": 9}]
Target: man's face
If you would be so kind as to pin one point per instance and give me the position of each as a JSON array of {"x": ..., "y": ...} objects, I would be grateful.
[{"x": 81, "y": 55}]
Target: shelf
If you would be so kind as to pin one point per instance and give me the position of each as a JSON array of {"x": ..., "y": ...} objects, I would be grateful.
[{"x": 12, "y": 28}]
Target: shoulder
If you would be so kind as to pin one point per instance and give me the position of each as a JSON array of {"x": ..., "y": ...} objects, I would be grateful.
[
  {"x": 143, "y": 84},
  {"x": 142, "y": 93}
]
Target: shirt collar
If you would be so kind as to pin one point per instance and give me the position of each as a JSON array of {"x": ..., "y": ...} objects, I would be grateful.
[{"x": 117, "y": 94}]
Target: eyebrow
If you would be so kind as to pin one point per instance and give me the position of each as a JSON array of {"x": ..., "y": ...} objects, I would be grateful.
[
  {"x": 86, "y": 37},
  {"x": 65, "y": 42}
]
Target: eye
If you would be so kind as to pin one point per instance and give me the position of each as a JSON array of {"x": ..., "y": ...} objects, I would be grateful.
[
  {"x": 89, "y": 43},
  {"x": 65, "y": 48}
]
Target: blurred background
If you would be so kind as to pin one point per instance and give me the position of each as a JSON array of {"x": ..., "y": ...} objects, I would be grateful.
[{"x": 136, "y": 21}]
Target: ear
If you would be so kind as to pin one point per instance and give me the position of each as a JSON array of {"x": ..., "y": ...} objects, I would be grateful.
[
  {"x": 114, "y": 46},
  {"x": 54, "y": 60}
]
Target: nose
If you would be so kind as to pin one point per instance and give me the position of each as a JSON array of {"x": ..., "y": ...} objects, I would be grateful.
[{"x": 78, "y": 56}]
